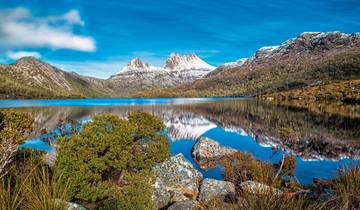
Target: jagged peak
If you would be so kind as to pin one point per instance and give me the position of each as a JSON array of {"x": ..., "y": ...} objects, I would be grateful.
[
  {"x": 191, "y": 61},
  {"x": 308, "y": 41},
  {"x": 137, "y": 63}
]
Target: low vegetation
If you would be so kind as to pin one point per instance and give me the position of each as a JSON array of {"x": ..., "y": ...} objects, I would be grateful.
[
  {"x": 341, "y": 193},
  {"x": 107, "y": 165},
  {"x": 340, "y": 97}
]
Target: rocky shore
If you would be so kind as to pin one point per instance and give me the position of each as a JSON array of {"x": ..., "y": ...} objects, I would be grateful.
[{"x": 180, "y": 186}]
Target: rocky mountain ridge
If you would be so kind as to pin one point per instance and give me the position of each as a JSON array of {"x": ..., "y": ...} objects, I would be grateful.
[
  {"x": 314, "y": 43},
  {"x": 178, "y": 69},
  {"x": 310, "y": 58},
  {"x": 175, "y": 62},
  {"x": 29, "y": 77}
]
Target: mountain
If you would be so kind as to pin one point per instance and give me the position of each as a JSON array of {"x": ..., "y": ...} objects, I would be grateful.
[
  {"x": 178, "y": 69},
  {"x": 29, "y": 77},
  {"x": 312, "y": 58},
  {"x": 32, "y": 78}
]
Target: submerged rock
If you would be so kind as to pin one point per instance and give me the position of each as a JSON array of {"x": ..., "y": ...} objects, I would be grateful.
[
  {"x": 211, "y": 188},
  {"x": 209, "y": 153},
  {"x": 185, "y": 205},
  {"x": 177, "y": 180},
  {"x": 258, "y": 188}
]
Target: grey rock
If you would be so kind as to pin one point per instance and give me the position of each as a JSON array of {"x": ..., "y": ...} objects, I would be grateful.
[
  {"x": 184, "y": 205},
  {"x": 175, "y": 177},
  {"x": 208, "y": 153},
  {"x": 160, "y": 196},
  {"x": 70, "y": 206},
  {"x": 258, "y": 188},
  {"x": 50, "y": 159},
  {"x": 211, "y": 188}
]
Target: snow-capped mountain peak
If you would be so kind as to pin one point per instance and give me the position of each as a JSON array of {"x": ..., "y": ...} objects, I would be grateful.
[
  {"x": 137, "y": 65},
  {"x": 237, "y": 63},
  {"x": 179, "y": 62}
]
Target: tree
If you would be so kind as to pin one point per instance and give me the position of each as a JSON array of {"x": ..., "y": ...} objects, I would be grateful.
[
  {"x": 14, "y": 128},
  {"x": 108, "y": 159}
]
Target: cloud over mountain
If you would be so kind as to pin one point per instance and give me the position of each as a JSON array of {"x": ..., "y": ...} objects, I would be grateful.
[
  {"x": 20, "y": 54},
  {"x": 20, "y": 29}
]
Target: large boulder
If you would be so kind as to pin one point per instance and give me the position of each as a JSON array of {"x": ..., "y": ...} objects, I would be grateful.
[
  {"x": 208, "y": 153},
  {"x": 177, "y": 180},
  {"x": 254, "y": 187},
  {"x": 211, "y": 188},
  {"x": 185, "y": 205}
]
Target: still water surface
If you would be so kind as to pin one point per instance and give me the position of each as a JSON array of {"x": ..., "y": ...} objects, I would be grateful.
[{"x": 322, "y": 143}]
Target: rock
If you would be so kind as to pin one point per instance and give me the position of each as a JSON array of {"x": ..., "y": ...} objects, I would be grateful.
[
  {"x": 258, "y": 188},
  {"x": 209, "y": 153},
  {"x": 70, "y": 206},
  {"x": 211, "y": 188},
  {"x": 50, "y": 159},
  {"x": 75, "y": 206},
  {"x": 177, "y": 180},
  {"x": 184, "y": 205},
  {"x": 160, "y": 196}
]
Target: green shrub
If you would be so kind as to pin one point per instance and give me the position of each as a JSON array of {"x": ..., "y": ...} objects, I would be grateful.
[
  {"x": 108, "y": 164},
  {"x": 14, "y": 128},
  {"x": 145, "y": 124}
]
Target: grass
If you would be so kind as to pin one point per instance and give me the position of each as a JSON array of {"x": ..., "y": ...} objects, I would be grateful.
[
  {"x": 344, "y": 192},
  {"x": 29, "y": 185}
]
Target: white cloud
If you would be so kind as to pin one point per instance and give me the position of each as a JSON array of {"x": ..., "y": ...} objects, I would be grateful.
[
  {"x": 19, "y": 29},
  {"x": 73, "y": 17},
  {"x": 20, "y": 54}
]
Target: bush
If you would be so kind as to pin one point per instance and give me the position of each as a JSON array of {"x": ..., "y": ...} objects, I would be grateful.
[
  {"x": 14, "y": 128},
  {"x": 29, "y": 184},
  {"x": 243, "y": 167},
  {"x": 109, "y": 165},
  {"x": 145, "y": 124}
]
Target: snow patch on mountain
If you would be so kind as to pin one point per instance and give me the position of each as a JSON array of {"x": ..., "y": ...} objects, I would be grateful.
[
  {"x": 178, "y": 62},
  {"x": 237, "y": 63},
  {"x": 137, "y": 65}
]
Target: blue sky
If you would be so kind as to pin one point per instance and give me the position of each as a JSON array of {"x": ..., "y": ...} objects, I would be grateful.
[{"x": 97, "y": 38}]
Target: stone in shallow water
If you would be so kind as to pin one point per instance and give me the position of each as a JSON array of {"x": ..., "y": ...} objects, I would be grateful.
[
  {"x": 185, "y": 205},
  {"x": 211, "y": 188},
  {"x": 209, "y": 153},
  {"x": 177, "y": 180},
  {"x": 258, "y": 188}
]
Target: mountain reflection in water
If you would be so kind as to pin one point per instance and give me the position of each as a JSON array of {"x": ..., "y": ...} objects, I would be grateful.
[{"x": 322, "y": 143}]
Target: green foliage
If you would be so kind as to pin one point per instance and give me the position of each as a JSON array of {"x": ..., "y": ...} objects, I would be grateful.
[
  {"x": 287, "y": 133},
  {"x": 14, "y": 128},
  {"x": 109, "y": 165},
  {"x": 145, "y": 124},
  {"x": 243, "y": 167}
]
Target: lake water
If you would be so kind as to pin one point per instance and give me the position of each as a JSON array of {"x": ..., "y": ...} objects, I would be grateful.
[{"x": 321, "y": 143}]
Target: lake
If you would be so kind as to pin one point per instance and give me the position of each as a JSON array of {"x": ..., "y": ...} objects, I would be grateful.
[{"x": 322, "y": 143}]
